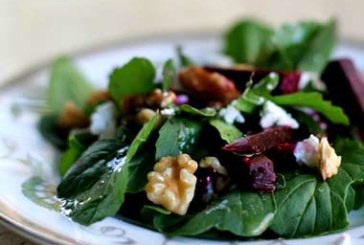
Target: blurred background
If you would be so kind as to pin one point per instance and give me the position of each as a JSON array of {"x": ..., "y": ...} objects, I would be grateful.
[{"x": 34, "y": 31}]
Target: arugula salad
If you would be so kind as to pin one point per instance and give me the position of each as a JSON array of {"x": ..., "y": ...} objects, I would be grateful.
[{"x": 265, "y": 145}]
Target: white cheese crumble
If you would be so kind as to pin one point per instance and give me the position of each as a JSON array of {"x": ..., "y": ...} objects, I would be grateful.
[
  {"x": 272, "y": 114},
  {"x": 168, "y": 112},
  {"x": 230, "y": 114},
  {"x": 307, "y": 152},
  {"x": 312, "y": 77},
  {"x": 102, "y": 120}
]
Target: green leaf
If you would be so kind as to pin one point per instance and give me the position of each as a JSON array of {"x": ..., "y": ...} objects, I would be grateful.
[
  {"x": 227, "y": 132},
  {"x": 241, "y": 213},
  {"x": 66, "y": 84},
  {"x": 246, "y": 42},
  {"x": 135, "y": 77},
  {"x": 205, "y": 112},
  {"x": 178, "y": 135},
  {"x": 266, "y": 85},
  {"x": 169, "y": 73},
  {"x": 319, "y": 49},
  {"x": 49, "y": 129},
  {"x": 183, "y": 59},
  {"x": 143, "y": 136},
  {"x": 310, "y": 207},
  {"x": 249, "y": 100},
  {"x": 94, "y": 186},
  {"x": 315, "y": 101},
  {"x": 140, "y": 155},
  {"x": 77, "y": 144}
]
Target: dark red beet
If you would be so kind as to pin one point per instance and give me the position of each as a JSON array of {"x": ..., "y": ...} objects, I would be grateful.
[
  {"x": 261, "y": 142},
  {"x": 289, "y": 83},
  {"x": 282, "y": 156},
  {"x": 240, "y": 76},
  {"x": 261, "y": 173},
  {"x": 346, "y": 89}
]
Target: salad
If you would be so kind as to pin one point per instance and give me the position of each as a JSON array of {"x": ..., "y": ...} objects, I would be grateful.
[{"x": 263, "y": 142}]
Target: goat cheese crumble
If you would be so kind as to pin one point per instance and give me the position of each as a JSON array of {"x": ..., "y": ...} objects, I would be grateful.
[
  {"x": 230, "y": 114},
  {"x": 102, "y": 120},
  {"x": 272, "y": 114},
  {"x": 307, "y": 152}
]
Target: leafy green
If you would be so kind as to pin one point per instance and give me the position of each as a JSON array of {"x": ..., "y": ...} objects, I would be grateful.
[
  {"x": 247, "y": 42},
  {"x": 312, "y": 206},
  {"x": 66, "y": 84},
  {"x": 168, "y": 73},
  {"x": 93, "y": 188},
  {"x": 228, "y": 132},
  {"x": 48, "y": 128},
  {"x": 135, "y": 77},
  {"x": 302, "y": 46},
  {"x": 183, "y": 59},
  {"x": 265, "y": 86},
  {"x": 315, "y": 101},
  {"x": 177, "y": 135},
  {"x": 205, "y": 112},
  {"x": 242, "y": 213},
  {"x": 77, "y": 144}
]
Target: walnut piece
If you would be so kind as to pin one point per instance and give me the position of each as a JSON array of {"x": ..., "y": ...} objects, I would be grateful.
[
  {"x": 329, "y": 161},
  {"x": 213, "y": 162},
  {"x": 159, "y": 99},
  {"x": 172, "y": 183},
  {"x": 72, "y": 117},
  {"x": 144, "y": 115}
]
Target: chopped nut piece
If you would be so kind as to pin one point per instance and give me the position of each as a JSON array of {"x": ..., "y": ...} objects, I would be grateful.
[
  {"x": 159, "y": 99},
  {"x": 210, "y": 87},
  {"x": 214, "y": 163},
  {"x": 72, "y": 117},
  {"x": 131, "y": 104},
  {"x": 317, "y": 153},
  {"x": 329, "y": 161},
  {"x": 172, "y": 183},
  {"x": 98, "y": 97},
  {"x": 144, "y": 115}
]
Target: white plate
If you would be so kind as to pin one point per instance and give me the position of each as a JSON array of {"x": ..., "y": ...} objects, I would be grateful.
[{"x": 26, "y": 158}]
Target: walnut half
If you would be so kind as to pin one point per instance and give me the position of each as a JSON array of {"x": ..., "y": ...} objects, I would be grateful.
[
  {"x": 172, "y": 183},
  {"x": 329, "y": 161}
]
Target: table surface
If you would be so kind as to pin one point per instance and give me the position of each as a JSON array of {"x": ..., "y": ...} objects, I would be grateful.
[{"x": 34, "y": 31}]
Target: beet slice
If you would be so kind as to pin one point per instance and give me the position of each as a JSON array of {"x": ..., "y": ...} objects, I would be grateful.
[
  {"x": 262, "y": 141},
  {"x": 240, "y": 76},
  {"x": 346, "y": 89},
  {"x": 261, "y": 173}
]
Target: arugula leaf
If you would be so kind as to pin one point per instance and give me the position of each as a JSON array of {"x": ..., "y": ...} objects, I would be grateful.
[
  {"x": 48, "y": 128},
  {"x": 93, "y": 188},
  {"x": 266, "y": 85},
  {"x": 250, "y": 100},
  {"x": 135, "y": 77},
  {"x": 183, "y": 59},
  {"x": 246, "y": 42},
  {"x": 77, "y": 144},
  {"x": 205, "y": 112},
  {"x": 241, "y": 213},
  {"x": 66, "y": 83},
  {"x": 140, "y": 154},
  {"x": 228, "y": 132},
  {"x": 304, "y": 46},
  {"x": 89, "y": 167},
  {"x": 319, "y": 50},
  {"x": 168, "y": 73},
  {"x": 177, "y": 135},
  {"x": 315, "y": 101},
  {"x": 310, "y": 207}
]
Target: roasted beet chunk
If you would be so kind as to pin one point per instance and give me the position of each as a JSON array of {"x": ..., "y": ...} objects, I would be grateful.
[
  {"x": 261, "y": 173},
  {"x": 262, "y": 141},
  {"x": 346, "y": 88},
  {"x": 289, "y": 82}
]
